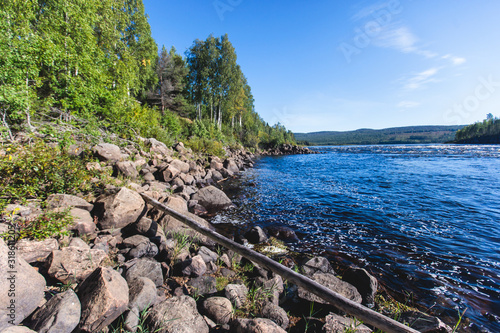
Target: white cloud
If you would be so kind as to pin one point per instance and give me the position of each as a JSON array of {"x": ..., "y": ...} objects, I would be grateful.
[
  {"x": 419, "y": 80},
  {"x": 369, "y": 10},
  {"x": 408, "y": 104},
  {"x": 454, "y": 60},
  {"x": 402, "y": 39}
]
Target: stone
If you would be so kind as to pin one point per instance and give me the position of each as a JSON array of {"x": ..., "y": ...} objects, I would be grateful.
[
  {"x": 127, "y": 169},
  {"x": 203, "y": 285},
  {"x": 256, "y": 325},
  {"x": 424, "y": 323},
  {"x": 271, "y": 288},
  {"x": 225, "y": 259},
  {"x": 365, "y": 283},
  {"x": 143, "y": 267},
  {"x": 332, "y": 282},
  {"x": 283, "y": 233},
  {"x": 237, "y": 294},
  {"x": 194, "y": 267},
  {"x": 61, "y": 314},
  {"x": 169, "y": 173},
  {"x": 335, "y": 323},
  {"x": 142, "y": 295},
  {"x": 149, "y": 177},
  {"x": 146, "y": 227},
  {"x": 317, "y": 264},
  {"x": 276, "y": 314},
  {"x": 78, "y": 242},
  {"x": 67, "y": 200},
  {"x": 218, "y": 309},
  {"x": 33, "y": 251},
  {"x": 17, "y": 274},
  {"x": 207, "y": 254},
  {"x": 256, "y": 235},
  {"x": 177, "y": 314},
  {"x": 158, "y": 147},
  {"x": 212, "y": 198},
  {"x": 73, "y": 264},
  {"x": 181, "y": 166},
  {"x": 187, "y": 178},
  {"x": 104, "y": 296},
  {"x": 216, "y": 165},
  {"x": 120, "y": 209},
  {"x": 107, "y": 152},
  {"x": 83, "y": 222},
  {"x": 231, "y": 166}
]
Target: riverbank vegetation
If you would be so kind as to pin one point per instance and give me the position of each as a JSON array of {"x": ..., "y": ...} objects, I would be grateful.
[
  {"x": 97, "y": 62},
  {"x": 486, "y": 131}
]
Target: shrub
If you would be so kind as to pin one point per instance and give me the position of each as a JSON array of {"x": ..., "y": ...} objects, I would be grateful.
[{"x": 206, "y": 147}]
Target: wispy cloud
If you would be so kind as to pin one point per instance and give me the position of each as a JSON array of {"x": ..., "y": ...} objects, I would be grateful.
[
  {"x": 454, "y": 60},
  {"x": 419, "y": 80},
  {"x": 369, "y": 10},
  {"x": 408, "y": 104},
  {"x": 399, "y": 37}
]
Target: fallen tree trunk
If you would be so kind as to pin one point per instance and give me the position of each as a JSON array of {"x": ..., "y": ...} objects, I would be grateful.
[{"x": 355, "y": 309}]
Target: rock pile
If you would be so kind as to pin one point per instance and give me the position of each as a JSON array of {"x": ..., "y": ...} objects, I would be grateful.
[{"x": 129, "y": 265}]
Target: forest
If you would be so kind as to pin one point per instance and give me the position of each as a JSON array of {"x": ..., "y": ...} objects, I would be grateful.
[
  {"x": 486, "y": 131},
  {"x": 95, "y": 61}
]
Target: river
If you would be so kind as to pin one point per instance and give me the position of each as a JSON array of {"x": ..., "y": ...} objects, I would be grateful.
[{"x": 424, "y": 219}]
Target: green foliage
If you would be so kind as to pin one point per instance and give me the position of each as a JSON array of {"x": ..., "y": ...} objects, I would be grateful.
[
  {"x": 487, "y": 131},
  {"x": 49, "y": 224},
  {"x": 206, "y": 147},
  {"x": 40, "y": 170}
]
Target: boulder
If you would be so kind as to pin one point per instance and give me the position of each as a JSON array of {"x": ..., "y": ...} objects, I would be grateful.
[
  {"x": 120, "y": 209},
  {"x": 212, "y": 198},
  {"x": 256, "y": 325},
  {"x": 237, "y": 294},
  {"x": 219, "y": 309},
  {"x": 83, "y": 222},
  {"x": 61, "y": 314},
  {"x": 107, "y": 152},
  {"x": 127, "y": 169},
  {"x": 231, "y": 166},
  {"x": 17, "y": 329},
  {"x": 276, "y": 314},
  {"x": 158, "y": 147},
  {"x": 74, "y": 264},
  {"x": 256, "y": 235},
  {"x": 203, "y": 285},
  {"x": 143, "y": 267},
  {"x": 216, "y": 165},
  {"x": 332, "y": 282},
  {"x": 335, "y": 323},
  {"x": 33, "y": 251},
  {"x": 424, "y": 323},
  {"x": 140, "y": 246},
  {"x": 207, "y": 254},
  {"x": 67, "y": 200},
  {"x": 194, "y": 267},
  {"x": 315, "y": 265},
  {"x": 104, "y": 297},
  {"x": 364, "y": 282},
  {"x": 181, "y": 166},
  {"x": 169, "y": 173},
  {"x": 283, "y": 233},
  {"x": 177, "y": 314},
  {"x": 78, "y": 242},
  {"x": 21, "y": 287},
  {"x": 142, "y": 295}
]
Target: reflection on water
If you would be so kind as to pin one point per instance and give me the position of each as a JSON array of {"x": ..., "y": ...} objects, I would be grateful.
[{"x": 423, "y": 219}]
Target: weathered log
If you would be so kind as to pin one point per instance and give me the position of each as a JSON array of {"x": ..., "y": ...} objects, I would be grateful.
[{"x": 355, "y": 309}]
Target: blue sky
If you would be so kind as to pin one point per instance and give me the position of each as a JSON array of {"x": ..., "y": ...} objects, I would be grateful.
[{"x": 342, "y": 65}]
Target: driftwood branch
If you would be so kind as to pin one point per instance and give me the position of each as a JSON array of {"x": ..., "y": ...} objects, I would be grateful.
[{"x": 355, "y": 309}]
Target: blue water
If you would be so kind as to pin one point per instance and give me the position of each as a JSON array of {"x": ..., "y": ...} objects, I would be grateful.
[{"x": 424, "y": 219}]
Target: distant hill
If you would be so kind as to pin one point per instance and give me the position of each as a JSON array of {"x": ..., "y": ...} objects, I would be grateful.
[{"x": 395, "y": 135}]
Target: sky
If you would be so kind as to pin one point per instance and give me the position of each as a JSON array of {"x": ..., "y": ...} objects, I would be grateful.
[{"x": 338, "y": 65}]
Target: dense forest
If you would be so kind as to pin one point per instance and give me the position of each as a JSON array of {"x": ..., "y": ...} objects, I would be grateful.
[
  {"x": 397, "y": 135},
  {"x": 95, "y": 61},
  {"x": 486, "y": 131}
]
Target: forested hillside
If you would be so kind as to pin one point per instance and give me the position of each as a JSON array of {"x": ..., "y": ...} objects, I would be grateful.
[
  {"x": 397, "y": 135},
  {"x": 487, "y": 131},
  {"x": 96, "y": 62}
]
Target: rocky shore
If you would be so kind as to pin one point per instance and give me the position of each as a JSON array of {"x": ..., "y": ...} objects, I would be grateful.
[{"x": 129, "y": 267}]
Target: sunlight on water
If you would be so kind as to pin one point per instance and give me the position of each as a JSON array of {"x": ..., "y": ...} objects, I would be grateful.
[{"x": 425, "y": 217}]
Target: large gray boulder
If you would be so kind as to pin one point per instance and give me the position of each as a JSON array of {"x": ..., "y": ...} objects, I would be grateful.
[
  {"x": 67, "y": 200},
  {"x": 365, "y": 283},
  {"x": 276, "y": 314},
  {"x": 317, "y": 264},
  {"x": 237, "y": 294},
  {"x": 142, "y": 295},
  {"x": 83, "y": 222},
  {"x": 104, "y": 296},
  {"x": 119, "y": 209},
  {"x": 74, "y": 264},
  {"x": 194, "y": 267},
  {"x": 219, "y": 309},
  {"x": 143, "y": 267},
  {"x": 107, "y": 152},
  {"x": 330, "y": 281},
  {"x": 212, "y": 198},
  {"x": 61, "y": 314},
  {"x": 21, "y": 287},
  {"x": 181, "y": 166},
  {"x": 127, "y": 169},
  {"x": 177, "y": 314},
  {"x": 33, "y": 251},
  {"x": 17, "y": 329}
]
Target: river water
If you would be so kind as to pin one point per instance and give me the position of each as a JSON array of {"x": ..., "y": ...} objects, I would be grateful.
[{"x": 424, "y": 219}]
